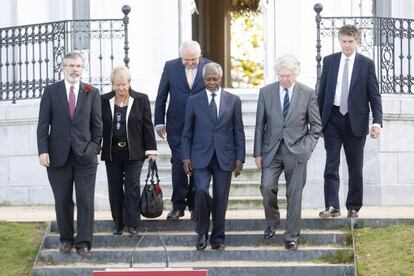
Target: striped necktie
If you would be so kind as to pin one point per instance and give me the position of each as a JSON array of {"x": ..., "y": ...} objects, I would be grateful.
[{"x": 286, "y": 104}]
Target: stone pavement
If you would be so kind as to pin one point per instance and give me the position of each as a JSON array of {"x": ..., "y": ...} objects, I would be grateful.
[{"x": 46, "y": 213}]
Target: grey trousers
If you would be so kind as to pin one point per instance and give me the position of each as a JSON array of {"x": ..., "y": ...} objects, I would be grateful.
[{"x": 295, "y": 174}]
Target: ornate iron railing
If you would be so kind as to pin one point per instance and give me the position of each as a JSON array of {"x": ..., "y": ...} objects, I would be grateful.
[
  {"x": 388, "y": 41},
  {"x": 31, "y": 55}
]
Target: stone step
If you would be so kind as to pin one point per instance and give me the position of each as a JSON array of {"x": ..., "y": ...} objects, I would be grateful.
[
  {"x": 190, "y": 254},
  {"x": 189, "y": 238},
  {"x": 250, "y": 224},
  {"x": 244, "y": 268}
]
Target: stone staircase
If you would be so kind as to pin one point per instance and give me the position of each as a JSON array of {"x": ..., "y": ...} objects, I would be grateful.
[
  {"x": 246, "y": 252},
  {"x": 244, "y": 190}
]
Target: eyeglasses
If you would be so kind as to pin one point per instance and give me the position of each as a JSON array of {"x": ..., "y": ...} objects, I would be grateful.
[{"x": 73, "y": 66}]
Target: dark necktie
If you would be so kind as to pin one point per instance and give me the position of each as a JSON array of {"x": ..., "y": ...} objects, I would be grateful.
[
  {"x": 286, "y": 104},
  {"x": 213, "y": 107},
  {"x": 343, "y": 105},
  {"x": 72, "y": 101}
]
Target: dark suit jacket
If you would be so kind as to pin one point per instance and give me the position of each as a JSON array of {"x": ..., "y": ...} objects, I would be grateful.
[
  {"x": 82, "y": 134},
  {"x": 140, "y": 130},
  {"x": 363, "y": 90},
  {"x": 174, "y": 82},
  {"x": 300, "y": 130},
  {"x": 202, "y": 137}
]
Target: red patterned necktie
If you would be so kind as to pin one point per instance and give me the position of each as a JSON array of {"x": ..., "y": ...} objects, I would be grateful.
[{"x": 72, "y": 102}]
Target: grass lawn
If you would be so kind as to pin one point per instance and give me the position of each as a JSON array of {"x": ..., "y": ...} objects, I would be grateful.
[
  {"x": 19, "y": 243},
  {"x": 386, "y": 251}
]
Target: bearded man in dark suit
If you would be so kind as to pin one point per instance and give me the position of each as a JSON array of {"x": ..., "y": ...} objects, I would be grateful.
[{"x": 68, "y": 138}]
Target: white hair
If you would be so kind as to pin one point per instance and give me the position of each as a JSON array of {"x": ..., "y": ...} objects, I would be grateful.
[
  {"x": 212, "y": 66},
  {"x": 289, "y": 62},
  {"x": 191, "y": 46}
]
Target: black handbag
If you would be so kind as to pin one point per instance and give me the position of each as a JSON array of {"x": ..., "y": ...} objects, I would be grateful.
[{"x": 151, "y": 203}]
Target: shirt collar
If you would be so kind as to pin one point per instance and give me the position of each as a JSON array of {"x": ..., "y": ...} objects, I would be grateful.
[
  {"x": 351, "y": 57},
  {"x": 68, "y": 85},
  {"x": 290, "y": 89},
  {"x": 216, "y": 92}
]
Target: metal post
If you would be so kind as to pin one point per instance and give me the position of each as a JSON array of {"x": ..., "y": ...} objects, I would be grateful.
[
  {"x": 318, "y": 8},
  {"x": 126, "y": 9}
]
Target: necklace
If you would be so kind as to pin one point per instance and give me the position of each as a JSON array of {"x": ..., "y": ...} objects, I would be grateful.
[{"x": 121, "y": 103}]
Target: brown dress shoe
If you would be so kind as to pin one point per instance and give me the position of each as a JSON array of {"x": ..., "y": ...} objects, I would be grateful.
[
  {"x": 84, "y": 252},
  {"x": 66, "y": 247}
]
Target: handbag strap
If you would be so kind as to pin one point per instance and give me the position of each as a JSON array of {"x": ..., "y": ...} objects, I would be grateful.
[
  {"x": 149, "y": 172},
  {"x": 155, "y": 172}
]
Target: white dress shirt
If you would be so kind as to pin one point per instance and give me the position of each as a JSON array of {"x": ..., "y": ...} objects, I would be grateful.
[
  {"x": 217, "y": 98},
  {"x": 338, "y": 90},
  {"x": 75, "y": 90},
  {"x": 283, "y": 92}
]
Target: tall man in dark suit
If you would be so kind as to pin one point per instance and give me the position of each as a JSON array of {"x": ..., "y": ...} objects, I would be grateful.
[
  {"x": 287, "y": 129},
  {"x": 213, "y": 145},
  {"x": 68, "y": 137},
  {"x": 180, "y": 79},
  {"x": 348, "y": 89}
]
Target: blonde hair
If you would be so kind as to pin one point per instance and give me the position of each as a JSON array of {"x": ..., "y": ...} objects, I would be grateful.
[{"x": 120, "y": 72}]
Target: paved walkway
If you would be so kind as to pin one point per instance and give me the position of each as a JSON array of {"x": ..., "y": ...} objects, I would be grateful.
[{"x": 47, "y": 213}]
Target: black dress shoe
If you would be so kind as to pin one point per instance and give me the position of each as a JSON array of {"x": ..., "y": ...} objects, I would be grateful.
[
  {"x": 201, "y": 242},
  {"x": 219, "y": 247},
  {"x": 117, "y": 231},
  {"x": 132, "y": 231},
  {"x": 269, "y": 232},
  {"x": 175, "y": 214},
  {"x": 291, "y": 245},
  {"x": 84, "y": 252},
  {"x": 330, "y": 212},
  {"x": 352, "y": 213},
  {"x": 193, "y": 216},
  {"x": 66, "y": 247}
]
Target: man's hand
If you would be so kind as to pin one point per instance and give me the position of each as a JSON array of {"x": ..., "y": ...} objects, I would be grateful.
[
  {"x": 187, "y": 166},
  {"x": 160, "y": 131},
  {"x": 152, "y": 157},
  {"x": 44, "y": 160},
  {"x": 238, "y": 168},
  {"x": 375, "y": 132},
  {"x": 258, "y": 161}
]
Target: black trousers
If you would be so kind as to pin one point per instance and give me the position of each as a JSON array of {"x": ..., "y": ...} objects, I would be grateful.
[
  {"x": 183, "y": 187},
  {"x": 216, "y": 206},
  {"x": 124, "y": 188},
  {"x": 61, "y": 179},
  {"x": 338, "y": 132}
]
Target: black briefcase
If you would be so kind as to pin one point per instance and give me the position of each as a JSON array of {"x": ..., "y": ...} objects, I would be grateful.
[{"x": 151, "y": 198}]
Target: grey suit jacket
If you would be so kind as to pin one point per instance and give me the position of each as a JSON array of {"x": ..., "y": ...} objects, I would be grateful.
[{"x": 300, "y": 131}]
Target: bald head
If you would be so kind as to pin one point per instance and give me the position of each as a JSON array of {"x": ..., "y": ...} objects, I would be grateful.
[{"x": 190, "y": 53}]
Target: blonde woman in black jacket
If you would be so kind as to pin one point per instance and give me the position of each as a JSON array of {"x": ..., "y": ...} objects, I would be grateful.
[{"x": 128, "y": 139}]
